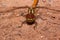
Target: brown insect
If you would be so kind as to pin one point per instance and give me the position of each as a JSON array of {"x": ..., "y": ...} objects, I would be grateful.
[{"x": 30, "y": 18}]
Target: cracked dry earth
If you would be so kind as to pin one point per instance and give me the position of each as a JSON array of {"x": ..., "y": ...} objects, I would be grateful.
[{"x": 48, "y": 28}]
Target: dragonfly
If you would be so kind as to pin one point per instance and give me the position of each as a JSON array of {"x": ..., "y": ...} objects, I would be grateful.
[{"x": 31, "y": 17}]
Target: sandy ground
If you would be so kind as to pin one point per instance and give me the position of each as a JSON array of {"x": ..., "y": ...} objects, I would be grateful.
[{"x": 48, "y": 28}]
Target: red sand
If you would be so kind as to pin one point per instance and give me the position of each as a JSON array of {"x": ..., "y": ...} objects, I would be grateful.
[{"x": 48, "y": 27}]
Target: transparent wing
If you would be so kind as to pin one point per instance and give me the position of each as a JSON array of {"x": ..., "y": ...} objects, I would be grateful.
[{"x": 38, "y": 14}]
